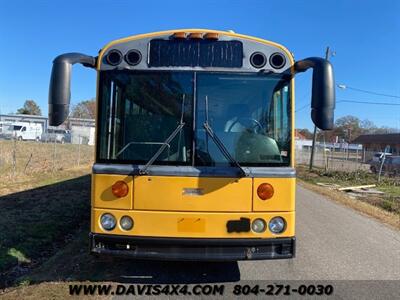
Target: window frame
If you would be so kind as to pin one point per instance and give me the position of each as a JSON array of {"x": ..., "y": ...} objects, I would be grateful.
[
  {"x": 140, "y": 162},
  {"x": 193, "y": 157}
]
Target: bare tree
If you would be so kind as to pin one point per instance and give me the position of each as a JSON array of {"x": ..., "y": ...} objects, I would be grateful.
[
  {"x": 30, "y": 108},
  {"x": 85, "y": 109}
]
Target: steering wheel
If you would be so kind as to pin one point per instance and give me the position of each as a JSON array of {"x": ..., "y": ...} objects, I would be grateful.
[{"x": 255, "y": 128}]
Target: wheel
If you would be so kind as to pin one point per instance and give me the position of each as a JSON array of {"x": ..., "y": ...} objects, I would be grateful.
[
  {"x": 37, "y": 139},
  {"x": 62, "y": 141},
  {"x": 20, "y": 138},
  {"x": 373, "y": 169}
]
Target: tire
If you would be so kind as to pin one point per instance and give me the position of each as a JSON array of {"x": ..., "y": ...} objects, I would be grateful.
[
  {"x": 373, "y": 169},
  {"x": 62, "y": 141},
  {"x": 19, "y": 138},
  {"x": 37, "y": 139}
]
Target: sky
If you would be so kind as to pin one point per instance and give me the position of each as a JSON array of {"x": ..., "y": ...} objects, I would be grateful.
[{"x": 365, "y": 35}]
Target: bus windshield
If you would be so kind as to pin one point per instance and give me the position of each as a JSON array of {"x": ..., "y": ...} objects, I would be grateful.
[{"x": 249, "y": 113}]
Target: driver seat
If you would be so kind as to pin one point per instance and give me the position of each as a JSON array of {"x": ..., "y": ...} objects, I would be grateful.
[{"x": 235, "y": 112}]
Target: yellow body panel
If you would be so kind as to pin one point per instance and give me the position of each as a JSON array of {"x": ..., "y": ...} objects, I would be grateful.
[
  {"x": 283, "y": 198},
  {"x": 209, "y": 194},
  {"x": 169, "y": 224},
  {"x": 102, "y": 196},
  {"x": 194, "y": 216}
]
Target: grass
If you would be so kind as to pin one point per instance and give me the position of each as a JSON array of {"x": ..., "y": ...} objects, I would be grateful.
[
  {"x": 36, "y": 222},
  {"x": 25, "y": 165},
  {"x": 44, "y": 199},
  {"x": 384, "y": 207}
]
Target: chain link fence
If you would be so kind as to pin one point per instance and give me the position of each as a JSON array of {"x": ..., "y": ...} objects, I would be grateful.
[
  {"x": 349, "y": 160},
  {"x": 65, "y": 154}
]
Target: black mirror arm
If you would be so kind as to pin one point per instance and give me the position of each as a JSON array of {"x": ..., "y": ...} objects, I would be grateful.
[
  {"x": 60, "y": 82},
  {"x": 74, "y": 58},
  {"x": 323, "y": 90}
]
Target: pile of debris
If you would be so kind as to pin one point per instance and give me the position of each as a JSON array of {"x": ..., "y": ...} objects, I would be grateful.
[{"x": 354, "y": 191}]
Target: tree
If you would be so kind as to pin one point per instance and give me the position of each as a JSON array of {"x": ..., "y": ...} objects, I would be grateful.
[
  {"x": 30, "y": 108},
  {"x": 306, "y": 133},
  {"x": 348, "y": 128},
  {"x": 368, "y": 126},
  {"x": 85, "y": 109}
]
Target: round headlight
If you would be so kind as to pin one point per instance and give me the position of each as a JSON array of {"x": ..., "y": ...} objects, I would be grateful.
[
  {"x": 108, "y": 221},
  {"x": 277, "y": 225},
  {"x": 126, "y": 223},
  {"x": 258, "y": 225}
]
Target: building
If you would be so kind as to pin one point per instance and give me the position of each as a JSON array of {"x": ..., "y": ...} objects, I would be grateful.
[
  {"x": 82, "y": 130},
  {"x": 373, "y": 143},
  {"x": 29, "y": 119},
  {"x": 301, "y": 142}
]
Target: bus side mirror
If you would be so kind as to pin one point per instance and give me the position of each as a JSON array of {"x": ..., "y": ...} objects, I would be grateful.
[
  {"x": 323, "y": 90},
  {"x": 60, "y": 84}
]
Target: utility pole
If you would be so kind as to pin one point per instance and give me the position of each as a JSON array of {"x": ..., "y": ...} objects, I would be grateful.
[{"x": 328, "y": 53}]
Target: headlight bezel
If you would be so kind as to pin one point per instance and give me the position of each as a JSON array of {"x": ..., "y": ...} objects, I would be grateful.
[
  {"x": 111, "y": 217},
  {"x": 264, "y": 225},
  {"x": 131, "y": 220},
  {"x": 272, "y": 222}
]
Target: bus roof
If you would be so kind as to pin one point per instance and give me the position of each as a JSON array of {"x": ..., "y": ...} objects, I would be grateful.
[{"x": 171, "y": 32}]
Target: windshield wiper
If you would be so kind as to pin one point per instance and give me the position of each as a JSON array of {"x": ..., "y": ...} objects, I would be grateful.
[
  {"x": 166, "y": 143},
  {"x": 221, "y": 145}
]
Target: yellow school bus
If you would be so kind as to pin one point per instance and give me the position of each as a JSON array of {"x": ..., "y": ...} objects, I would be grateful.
[{"x": 194, "y": 144}]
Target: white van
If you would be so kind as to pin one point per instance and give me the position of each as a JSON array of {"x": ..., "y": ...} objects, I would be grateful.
[{"x": 25, "y": 131}]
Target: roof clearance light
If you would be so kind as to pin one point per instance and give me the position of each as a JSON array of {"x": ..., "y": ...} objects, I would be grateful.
[
  {"x": 195, "y": 35},
  {"x": 211, "y": 36},
  {"x": 179, "y": 35},
  {"x": 120, "y": 189},
  {"x": 265, "y": 191}
]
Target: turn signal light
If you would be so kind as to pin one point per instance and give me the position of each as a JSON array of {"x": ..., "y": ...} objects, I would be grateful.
[
  {"x": 120, "y": 189},
  {"x": 265, "y": 191}
]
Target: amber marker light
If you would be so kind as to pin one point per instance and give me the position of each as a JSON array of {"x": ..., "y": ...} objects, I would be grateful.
[
  {"x": 120, "y": 189},
  {"x": 195, "y": 35},
  {"x": 179, "y": 35},
  {"x": 211, "y": 36},
  {"x": 265, "y": 191}
]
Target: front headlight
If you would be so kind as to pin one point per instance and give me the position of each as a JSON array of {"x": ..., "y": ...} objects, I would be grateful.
[
  {"x": 258, "y": 225},
  {"x": 277, "y": 225},
  {"x": 108, "y": 221},
  {"x": 126, "y": 223}
]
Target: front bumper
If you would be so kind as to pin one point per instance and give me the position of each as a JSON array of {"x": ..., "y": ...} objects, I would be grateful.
[{"x": 192, "y": 249}]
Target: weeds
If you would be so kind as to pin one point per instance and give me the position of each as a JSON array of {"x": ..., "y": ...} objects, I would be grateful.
[{"x": 390, "y": 201}]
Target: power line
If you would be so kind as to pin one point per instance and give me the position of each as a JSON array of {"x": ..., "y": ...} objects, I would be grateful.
[
  {"x": 343, "y": 86},
  {"x": 354, "y": 101},
  {"x": 367, "y": 102},
  {"x": 303, "y": 107}
]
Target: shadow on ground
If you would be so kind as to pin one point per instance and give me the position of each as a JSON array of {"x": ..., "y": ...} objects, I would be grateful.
[
  {"x": 75, "y": 264},
  {"x": 46, "y": 240}
]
